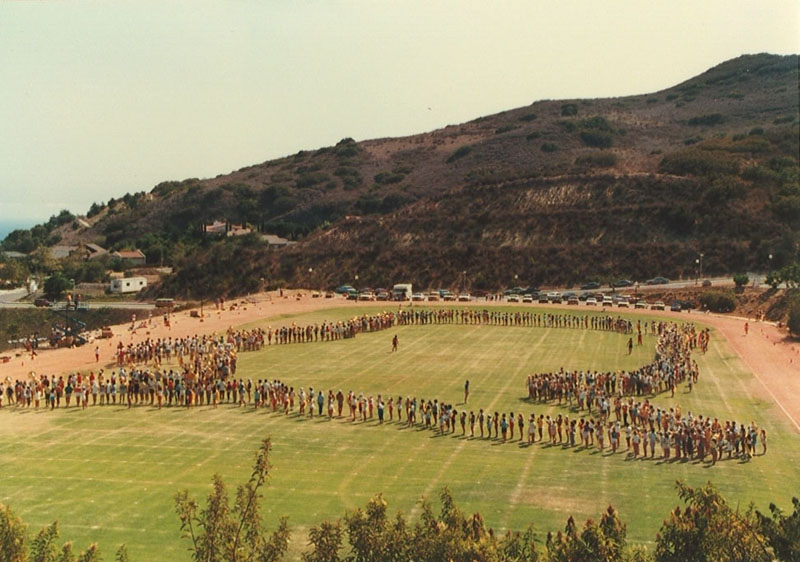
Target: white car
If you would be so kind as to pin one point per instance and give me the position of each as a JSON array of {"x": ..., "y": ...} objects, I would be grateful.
[
  {"x": 527, "y": 298},
  {"x": 417, "y": 297},
  {"x": 640, "y": 304},
  {"x": 608, "y": 301},
  {"x": 464, "y": 297},
  {"x": 433, "y": 296},
  {"x": 366, "y": 296},
  {"x": 623, "y": 302},
  {"x": 554, "y": 296},
  {"x": 658, "y": 306},
  {"x": 512, "y": 298},
  {"x": 591, "y": 301}
]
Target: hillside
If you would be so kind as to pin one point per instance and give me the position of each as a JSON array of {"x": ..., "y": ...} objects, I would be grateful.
[{"x": 555, "y": 192}]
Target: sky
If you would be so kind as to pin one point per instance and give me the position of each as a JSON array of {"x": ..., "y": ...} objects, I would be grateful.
[{"x": 98, "y": 99}]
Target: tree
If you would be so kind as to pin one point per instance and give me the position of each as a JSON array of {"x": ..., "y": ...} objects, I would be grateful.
[
  {"x": 603, "y": 542},
  {"x": 326, "y": 540},
  {"x": 794, "y": 318},
  {"x": 708, "y": 529},
  {"x": 219, "y": 532},
  {"x": 782, "y": 531},
  {"x": 15, "y": 547},
  {"x": 56, "y": 285},
  {"x": 740, "y": 280}
]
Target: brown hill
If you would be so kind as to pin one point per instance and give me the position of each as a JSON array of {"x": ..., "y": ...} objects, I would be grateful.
[{"x": 558, "y": 191}]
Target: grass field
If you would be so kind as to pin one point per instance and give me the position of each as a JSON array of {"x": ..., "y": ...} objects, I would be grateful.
[{"x": 109, "y": 474}]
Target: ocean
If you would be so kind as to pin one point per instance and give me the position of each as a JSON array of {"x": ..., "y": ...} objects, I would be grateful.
[{"x": 7, "y": 225}]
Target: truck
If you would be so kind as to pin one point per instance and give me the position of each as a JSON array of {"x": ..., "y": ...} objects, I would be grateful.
[{"x": 402, "y": 292}]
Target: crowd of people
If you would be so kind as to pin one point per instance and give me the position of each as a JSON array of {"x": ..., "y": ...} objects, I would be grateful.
[{"x": 616, "y": 404}]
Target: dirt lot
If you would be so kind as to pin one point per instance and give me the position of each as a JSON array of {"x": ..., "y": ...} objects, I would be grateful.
[{"x": 767, "y": 351}]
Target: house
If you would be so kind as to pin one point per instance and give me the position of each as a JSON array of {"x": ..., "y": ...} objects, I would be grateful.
[
  {"x": 216, "y": 227},
  {"x": 94, "y": 251},
  {"x": 12, "y": 255},
  {"x": 275, "y": 241},
  {"x": 238, "y": 230},
  {"x": 61, "y": 252},
  {"x": 131, "y": 257}
]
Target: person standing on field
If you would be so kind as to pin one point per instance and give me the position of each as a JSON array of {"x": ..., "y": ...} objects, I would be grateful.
[{"x": 394, "y": 343}]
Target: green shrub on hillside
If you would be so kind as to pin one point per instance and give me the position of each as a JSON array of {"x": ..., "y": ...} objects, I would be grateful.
[
  {"x": 717, "y": 301},
  {"x": 533, "y": 136},
  {"x": 597, "y": 139},
  {"x": 528, "y": 117},
  {"x": 385, "y": 178},
  {"x": 459, "y": 153},
  {"x": 505, "y": 129},
  {"x": 568, "y": 109},
  {"x": 707, "y": 120},
  {"x": 696, "y": 162},
  {"x": 597, "y": 160},
  {"x": 549, "y": 147}
]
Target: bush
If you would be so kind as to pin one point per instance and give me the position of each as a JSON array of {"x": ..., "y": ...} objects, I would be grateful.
[
  {"x": 697, "y": 162},
  {"x": 740, "y": 280},
  {"x": 597, "y": 160},
  {"x": 549, "y": 147},
  {"x": 505, "y": 129},
  {"x": 718, "y": 301},
  {"x": 794, "y": 319},
  {"x": 569, "y": 109},
  {"x": 708, "y": 120},
  {"x": 597, "y": 139},
  {"x": 385, "y": 178},
  {"x": 533, "y": 136},
  {"x": 459, "y": 153},
  {"x": 528, "y": 117}
]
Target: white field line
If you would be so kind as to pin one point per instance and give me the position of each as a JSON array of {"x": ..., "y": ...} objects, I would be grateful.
[
  {"x": 510, "y": 380},
  {"x": 769, "y": 391}
]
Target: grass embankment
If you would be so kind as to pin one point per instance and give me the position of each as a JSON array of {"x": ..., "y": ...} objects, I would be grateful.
[
  {"x": 109, "y": 474},
  {"x": 18, "y": 323}
]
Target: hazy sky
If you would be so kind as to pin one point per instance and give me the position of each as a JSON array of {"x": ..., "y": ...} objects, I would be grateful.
[{"x": 102, "y": 98}]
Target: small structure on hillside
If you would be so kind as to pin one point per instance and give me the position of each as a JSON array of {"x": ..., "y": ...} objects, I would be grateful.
[
  {"x": 128, "y": 285},
  {"x": 134, "y": 258}
]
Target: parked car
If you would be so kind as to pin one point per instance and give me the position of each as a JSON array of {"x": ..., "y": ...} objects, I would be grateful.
[
  {"x": 590, "y": 285},
  {"x": 585, "y": 295},
  {"x": 512, "y": 297},
  {"x": 543, "y": 298},
  {"x": 568, "y": 295},
  {"x": 641, "y": 305},
  {"x": 42, "y": 301},
  {"x": 676, "y": 306},
  {"x": 352, "y": 295},
  {"x": 554, "y": 296},
  {"x": 366, "y": 296},
  {"x": 573, "y": 300},
  {"x": 706, "y": 282},
  {"x": 527, "y": 298},
  {"x": 608, "y": 301},
  {"x": 433, "y": 296},
  {"x": 316, "y": 295},
  {"x": 343, "y": 289},
  {"x": 464, "y": 297},
  {"x": 657, "y": 281},
  {"x": 417, "y": 297},
  {"x": 622, "y": 283},
  {"x": 658, "y": 306},
  {"x": 622, "y": 302},
  {"x": 329, "y": 294},
  {"x": 591, "y": 301}
]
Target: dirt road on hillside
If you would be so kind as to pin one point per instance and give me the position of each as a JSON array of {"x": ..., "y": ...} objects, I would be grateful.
[{"x": 765, "y": 350}]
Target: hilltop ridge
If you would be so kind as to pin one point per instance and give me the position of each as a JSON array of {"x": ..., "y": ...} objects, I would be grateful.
[{"x": 554, "y": 192}]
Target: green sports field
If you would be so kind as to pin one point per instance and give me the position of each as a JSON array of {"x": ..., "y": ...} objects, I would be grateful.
[{"x": 108, "y": 474}]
